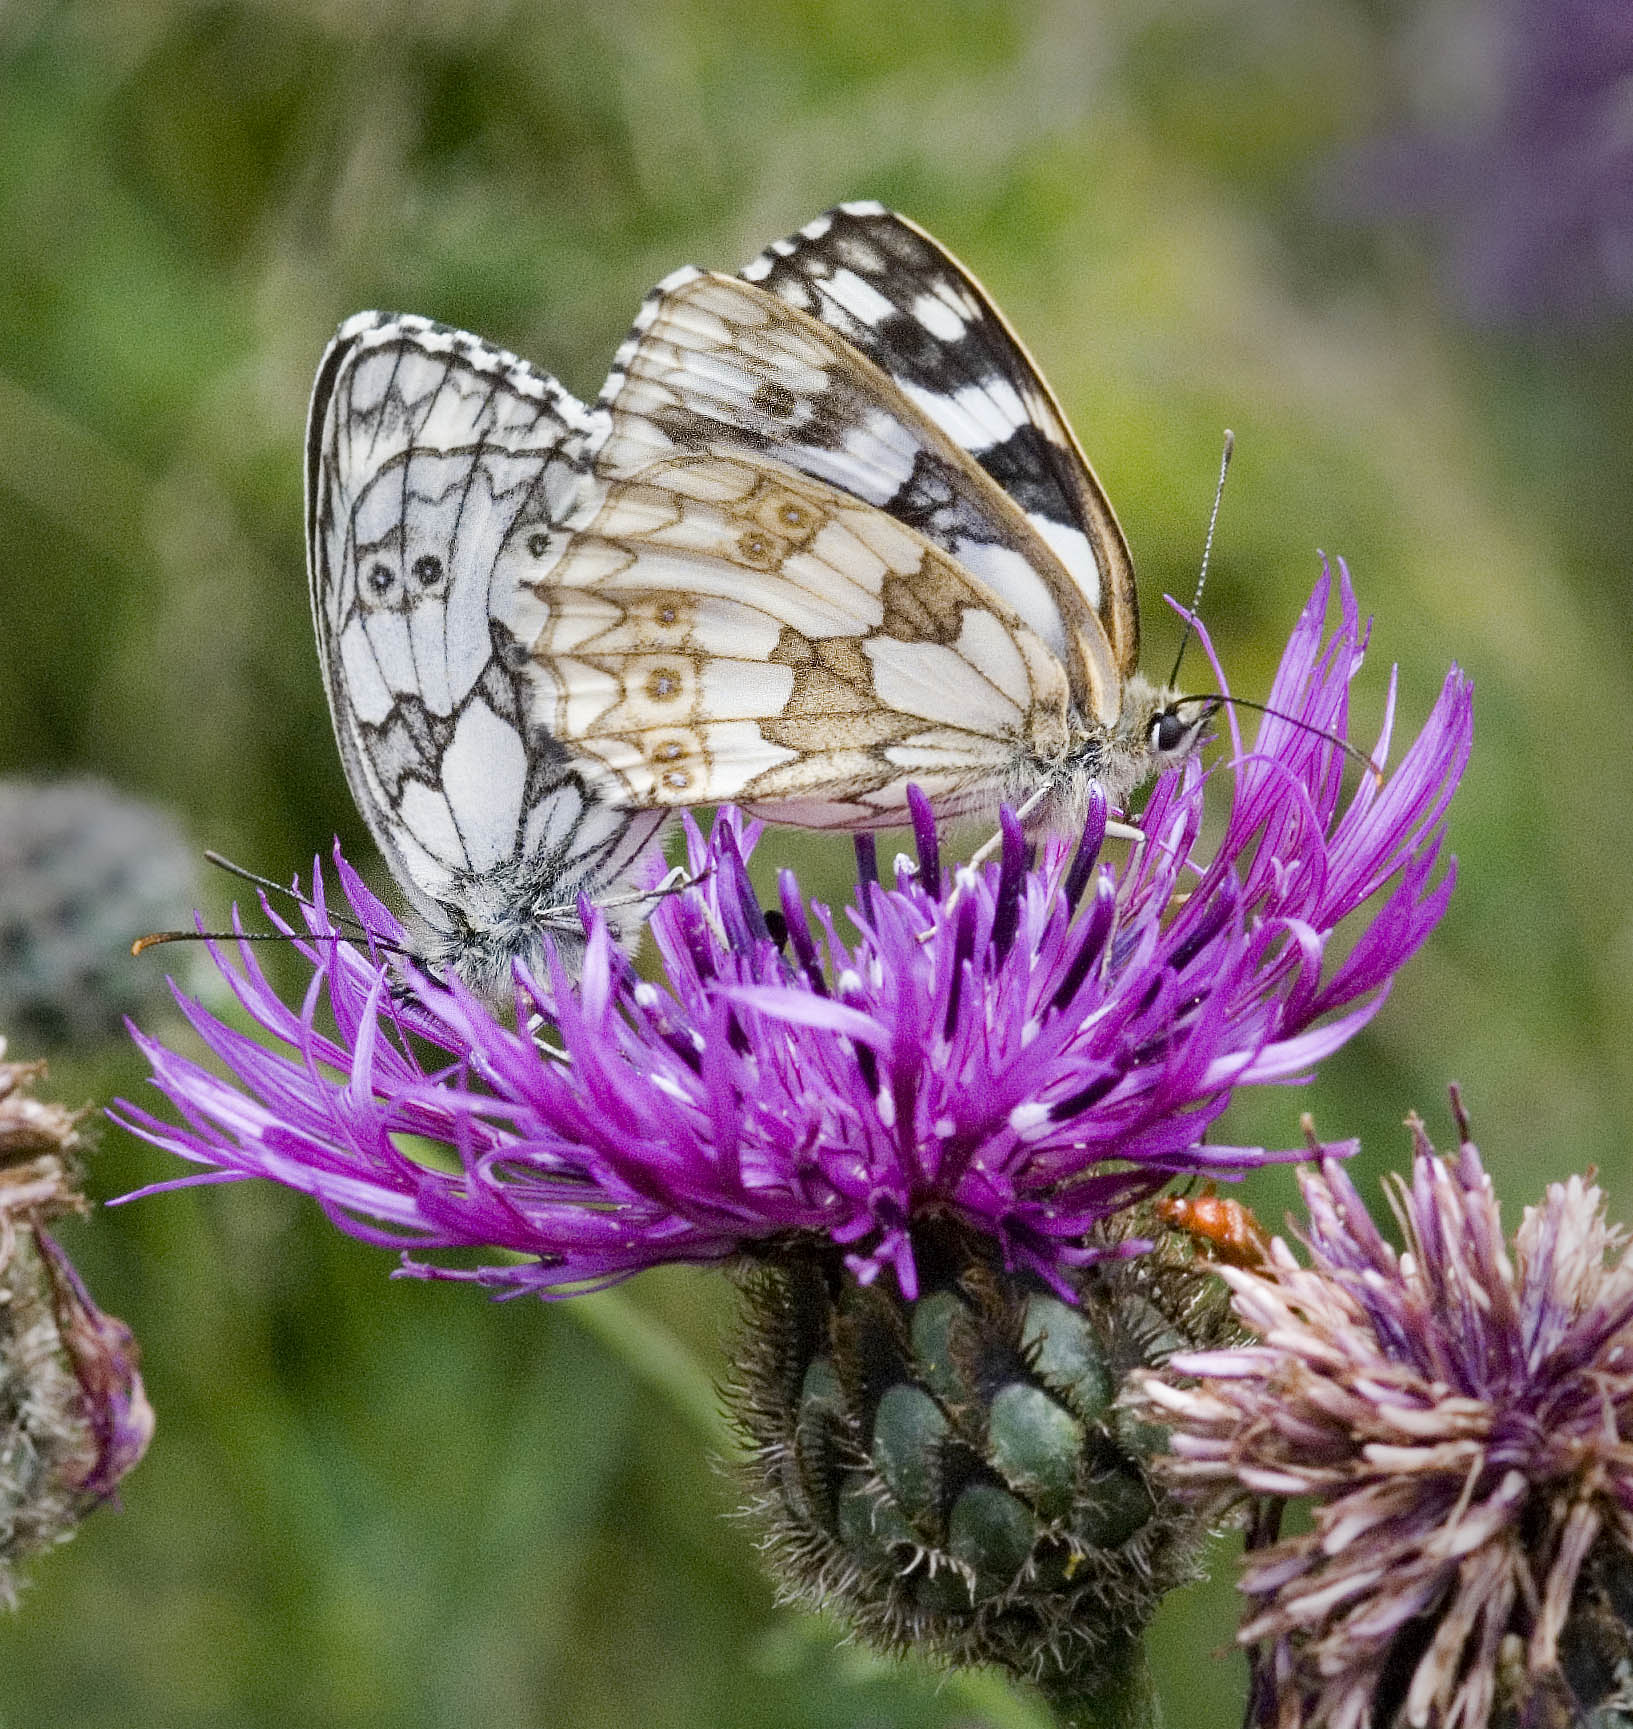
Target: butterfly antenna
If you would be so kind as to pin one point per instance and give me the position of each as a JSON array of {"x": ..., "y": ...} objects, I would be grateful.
[
  {"x": 249, "y": 876},
  {"x": 1207, "y": 553},
  {"x": 1353, "y": 751},
  {"x": 154, "y": 938}
]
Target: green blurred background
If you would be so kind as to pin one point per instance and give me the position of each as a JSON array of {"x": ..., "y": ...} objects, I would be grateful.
[{"x": 381, "y": 1504}]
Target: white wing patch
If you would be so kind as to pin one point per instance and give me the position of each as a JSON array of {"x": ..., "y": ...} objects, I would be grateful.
[{"x": 428, "y": 451}]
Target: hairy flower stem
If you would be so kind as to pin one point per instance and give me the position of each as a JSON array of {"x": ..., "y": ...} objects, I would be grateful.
[{"x": 1125, "y": 1699}]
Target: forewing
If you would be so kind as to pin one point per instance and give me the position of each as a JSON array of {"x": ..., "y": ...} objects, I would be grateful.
[
  {"x": 428, "y": 451},
  {"x": 714, "y": 360},
  {"x": 905, "y": 302},
  {"x": 716, "y": 626}
]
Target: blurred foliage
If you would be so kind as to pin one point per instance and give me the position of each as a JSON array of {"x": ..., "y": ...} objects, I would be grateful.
[{"x": 380, "y": 1505}]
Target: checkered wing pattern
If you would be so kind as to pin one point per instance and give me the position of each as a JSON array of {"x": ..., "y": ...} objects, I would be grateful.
[
  {"x": 428, "y": 452},
  {"x": 900, "y": 298},
  {"x": 825, "y": 534}
]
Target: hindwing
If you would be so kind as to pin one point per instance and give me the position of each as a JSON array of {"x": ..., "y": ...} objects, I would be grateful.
[{"x": 428, "y": 450}]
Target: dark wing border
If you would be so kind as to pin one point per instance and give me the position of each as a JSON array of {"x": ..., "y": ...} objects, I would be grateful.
[{"x": 1041, "y": 465}]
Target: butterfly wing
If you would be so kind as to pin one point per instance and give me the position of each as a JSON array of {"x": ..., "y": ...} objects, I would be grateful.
[
  {"x": 716, "y": 361},
  {"x": 428, "y": 451},
  {"x": 905, "y": 302},
  {"x": 777, "y": 563},
  {"x": 716, "y": 626}
]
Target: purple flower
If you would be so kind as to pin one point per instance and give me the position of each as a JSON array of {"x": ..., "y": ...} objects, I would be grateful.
[
  {"x": 102, "y": 1351},
  {"x": 1462, "y": 1419},
  {"x": 1023, "y": 1049}
]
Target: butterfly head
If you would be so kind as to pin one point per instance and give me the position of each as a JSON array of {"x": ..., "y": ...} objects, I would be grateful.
[
  {"x": 491, "y": 925},
  {"x": 1156, "y": 731}
]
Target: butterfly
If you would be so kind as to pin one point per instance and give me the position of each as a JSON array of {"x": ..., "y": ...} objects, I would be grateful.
[{"x": 824, "y": 534}]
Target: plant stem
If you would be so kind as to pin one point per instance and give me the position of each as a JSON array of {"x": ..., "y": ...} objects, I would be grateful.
[{"x": 1126, "y": 1701}]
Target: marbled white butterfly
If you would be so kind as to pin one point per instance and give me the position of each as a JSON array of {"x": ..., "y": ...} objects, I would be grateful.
[{"x": 825, "y": 533}]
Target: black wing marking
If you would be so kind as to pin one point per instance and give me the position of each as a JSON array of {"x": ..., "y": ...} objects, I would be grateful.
[
  {"x": 715, "y": 362},
  {"x": 431, "y": 458},
  {"x": 901, "y": 298}
]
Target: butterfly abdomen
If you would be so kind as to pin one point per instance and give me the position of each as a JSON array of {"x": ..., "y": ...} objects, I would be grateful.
[{"x": 527, "y": 907}]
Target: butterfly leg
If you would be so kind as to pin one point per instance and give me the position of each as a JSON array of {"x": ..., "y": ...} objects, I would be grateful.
[
  {"x": 677, "y": 878},
  {"x": 1136, "y": 836},
  {"x": 993, "y": 841},
  {"x": 1114, "y": 830},
  {"x": 538, "y": 1030}
]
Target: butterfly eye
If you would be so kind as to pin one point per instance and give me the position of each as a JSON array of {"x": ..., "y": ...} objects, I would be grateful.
[
  {"x": 1168, "y": 732},
  {"x": 538, "y": 543},
  {"x": 428, "y": 570},
  {"x": 381, "y": 579}
]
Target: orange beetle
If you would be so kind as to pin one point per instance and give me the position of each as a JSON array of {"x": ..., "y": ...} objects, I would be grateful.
[{"x": 1227, "y": 1229}]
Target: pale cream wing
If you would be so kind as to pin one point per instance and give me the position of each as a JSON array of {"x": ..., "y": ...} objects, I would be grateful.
[
  {"x": 715, "y": 360},
  {"x": 721, "y": 628},
  {"x": 429, "y": 454}
]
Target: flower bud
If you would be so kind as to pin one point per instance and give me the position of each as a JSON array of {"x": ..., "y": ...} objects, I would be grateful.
[
  {"x": 954, "y": 1474},
  {"x": 83, "y": 870}
]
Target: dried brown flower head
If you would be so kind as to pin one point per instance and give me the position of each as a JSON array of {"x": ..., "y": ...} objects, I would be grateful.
[
  {"x": 1460, "y": 1419},
  {"x": 73, "y": 1416}
]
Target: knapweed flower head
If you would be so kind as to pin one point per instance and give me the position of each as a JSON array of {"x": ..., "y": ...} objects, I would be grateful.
[
  {"x": 1461, "y": 1418},
  {"x": 75, "y": 1416},
  {"x": 952, "y": 1475},
  {"x": 1022, "y": 1049}
]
